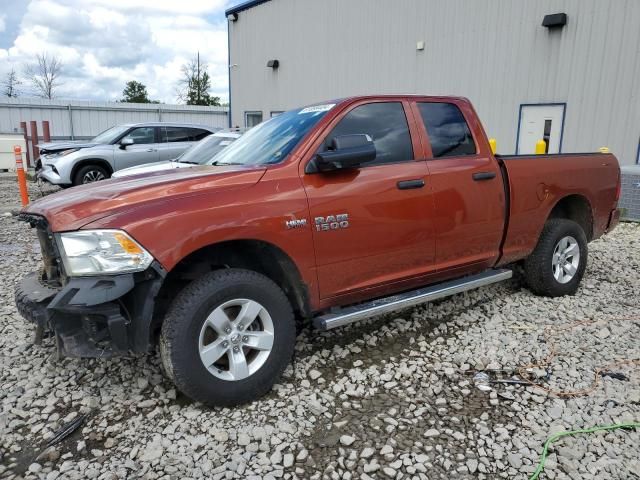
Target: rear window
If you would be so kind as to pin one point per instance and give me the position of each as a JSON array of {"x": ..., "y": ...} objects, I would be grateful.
[
  {"x": 183, "y": 134},
  {"x": 448, "y": 130}
]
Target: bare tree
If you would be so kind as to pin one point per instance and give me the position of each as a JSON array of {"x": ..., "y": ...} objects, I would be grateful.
[
  {"x": 194, "y": 86},
  {"x": 45, "y": 74},
  {"x": 11, "y": 84}
]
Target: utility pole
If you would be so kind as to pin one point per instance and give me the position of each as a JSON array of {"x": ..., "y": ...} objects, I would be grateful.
[{"x": 198, "y": 86}]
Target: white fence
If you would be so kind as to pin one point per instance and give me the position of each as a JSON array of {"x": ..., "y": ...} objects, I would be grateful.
[{"x": 76, "y": 120}]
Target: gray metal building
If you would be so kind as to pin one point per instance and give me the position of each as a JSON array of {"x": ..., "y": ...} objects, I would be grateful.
[
  {"x": 73, "y": 119},
  {"x": 576, "y": 82}
]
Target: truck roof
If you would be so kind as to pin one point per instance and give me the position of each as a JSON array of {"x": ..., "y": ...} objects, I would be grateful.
[{"x": 400, "y": 95}]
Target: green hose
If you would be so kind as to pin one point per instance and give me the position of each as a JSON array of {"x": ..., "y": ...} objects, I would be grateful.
[{"x": 556, "y": 436}]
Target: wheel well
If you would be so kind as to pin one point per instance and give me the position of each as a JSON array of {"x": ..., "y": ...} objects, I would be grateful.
[
  {"x": 578, "y": 209},
  {"x": 90, "y": 161},
  {"x": 256, "y": 255}
]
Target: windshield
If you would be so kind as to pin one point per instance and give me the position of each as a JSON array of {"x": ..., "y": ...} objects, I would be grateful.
[
  {"x": 110, "y": 135},
  {"x": 205, "y": 149},
  {"x": 273, "y": 140}
]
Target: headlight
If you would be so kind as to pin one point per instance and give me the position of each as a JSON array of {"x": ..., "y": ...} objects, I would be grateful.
[
  {"x": 68, "y": 151},
  {"x": 96, "y": 252}
]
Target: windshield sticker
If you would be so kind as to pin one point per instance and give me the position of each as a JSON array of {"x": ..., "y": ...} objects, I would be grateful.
[{"x": 317, "y": 108}]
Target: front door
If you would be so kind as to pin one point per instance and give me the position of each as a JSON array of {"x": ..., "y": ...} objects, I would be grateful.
[
  {"x": 540, "y": 122},
  {"x": 143, "y": 150},
  {"x": 372, "y": 225}
]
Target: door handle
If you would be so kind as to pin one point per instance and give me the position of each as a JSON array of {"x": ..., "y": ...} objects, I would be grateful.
[
  {"x": 484, "y": 176},
  {"x": 409, "y": 184},
  {"x": 151, "y": 150}
]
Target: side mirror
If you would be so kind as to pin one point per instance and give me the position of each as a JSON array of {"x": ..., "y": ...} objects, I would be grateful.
[
  {"x": 125, "y": 142},
  {"x": 346, "y": 151}
]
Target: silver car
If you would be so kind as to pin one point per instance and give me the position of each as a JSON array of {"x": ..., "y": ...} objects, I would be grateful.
[
  {"x": 119, "y": 147},
  {"x": 200, "y": 154}
]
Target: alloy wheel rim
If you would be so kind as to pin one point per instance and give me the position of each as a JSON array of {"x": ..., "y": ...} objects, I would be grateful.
[
  {"x": 92, "y": 176},
  {"x": 565, "y": 259},
  {"x": 236, "y": 339}
]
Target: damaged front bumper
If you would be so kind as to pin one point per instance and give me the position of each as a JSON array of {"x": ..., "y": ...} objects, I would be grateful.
[{"x": 93, "y": 316}]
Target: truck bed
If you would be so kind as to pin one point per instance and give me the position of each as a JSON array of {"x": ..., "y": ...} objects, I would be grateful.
[{"x": 536, "y": 183}]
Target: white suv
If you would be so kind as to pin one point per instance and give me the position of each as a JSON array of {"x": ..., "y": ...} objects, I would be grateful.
[
  {"x": 122, "y": 146},
  {"x": 200, "y": 154}
]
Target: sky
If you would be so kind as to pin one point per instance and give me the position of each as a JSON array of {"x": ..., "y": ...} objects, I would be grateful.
[{"x": 102, "y": 44}]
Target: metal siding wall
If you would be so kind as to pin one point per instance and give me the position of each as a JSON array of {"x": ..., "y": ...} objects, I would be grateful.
[
  {"x": 494, "y": 52},
  {"x": 91, "y": 118}
]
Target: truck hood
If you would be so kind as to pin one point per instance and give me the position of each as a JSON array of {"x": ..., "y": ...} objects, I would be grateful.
[
  {"x": 73, "y": 208},
  {"x": 59, "y": 146}
]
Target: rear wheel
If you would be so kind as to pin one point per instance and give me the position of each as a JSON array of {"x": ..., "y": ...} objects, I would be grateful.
[
  {"x": 90, "y": 174},
  {"x": 228, "y": 337},
  {"x": 558, "y": 262}
]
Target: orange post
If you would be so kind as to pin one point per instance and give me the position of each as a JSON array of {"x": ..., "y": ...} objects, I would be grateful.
[{"x": 22, "y": 179}]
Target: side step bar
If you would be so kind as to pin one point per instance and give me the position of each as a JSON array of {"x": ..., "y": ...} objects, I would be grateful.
[{"x": 381, "y": 306}]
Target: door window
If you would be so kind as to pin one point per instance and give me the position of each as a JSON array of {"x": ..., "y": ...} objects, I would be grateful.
[
  {"x": 176, "y": 134},
  {"x": 387, "y": 126},
  {"x": 448, "y": 131},
  {"x": 142, "y": 135},
  {"x": 197, "y": 134}
]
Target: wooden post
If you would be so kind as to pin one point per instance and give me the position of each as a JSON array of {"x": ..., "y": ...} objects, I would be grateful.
[
  {"x": 34, "y": 140},
  {"x": 45, "y": 131}
]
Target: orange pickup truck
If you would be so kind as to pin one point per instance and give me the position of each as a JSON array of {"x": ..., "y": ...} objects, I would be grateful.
[{"x": 330, "y": 213}]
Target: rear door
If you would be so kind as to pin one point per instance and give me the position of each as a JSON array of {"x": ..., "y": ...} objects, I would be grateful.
[
  {"x": 144, "y": 149},
  {"x": 467, "y": 187},
  {"x": 372, "y": 225}
]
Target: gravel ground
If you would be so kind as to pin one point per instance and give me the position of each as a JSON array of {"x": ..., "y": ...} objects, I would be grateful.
[{"x": 388, "y": 398}]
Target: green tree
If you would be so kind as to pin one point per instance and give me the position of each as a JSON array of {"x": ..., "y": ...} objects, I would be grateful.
[
  {"x": 11, "y": 84},
  {"x": 195, "y": 84},
  {"x": 136, "y": 92}
]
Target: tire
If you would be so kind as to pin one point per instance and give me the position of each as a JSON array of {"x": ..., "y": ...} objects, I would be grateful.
[
  {"x": 187, "y": 331},
  {"x": 547, "y": 272},
  {"x": 86, "y": 172}
]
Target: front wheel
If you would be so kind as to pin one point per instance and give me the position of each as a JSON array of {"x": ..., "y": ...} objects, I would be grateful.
[
  {"x": 90, "y": 174},
  {"x": 228, "y": 337},
  {"x": 557, "y": 264}
]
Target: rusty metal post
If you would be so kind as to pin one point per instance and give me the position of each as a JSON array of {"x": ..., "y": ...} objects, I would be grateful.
[
  {"x": 34, "y": 140},
  {"x": 23, "y": 127},
  {"x": 46, "y": 137}
]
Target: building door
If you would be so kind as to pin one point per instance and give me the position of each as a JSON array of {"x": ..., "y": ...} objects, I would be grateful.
[{"x": 540, "y": 122}]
